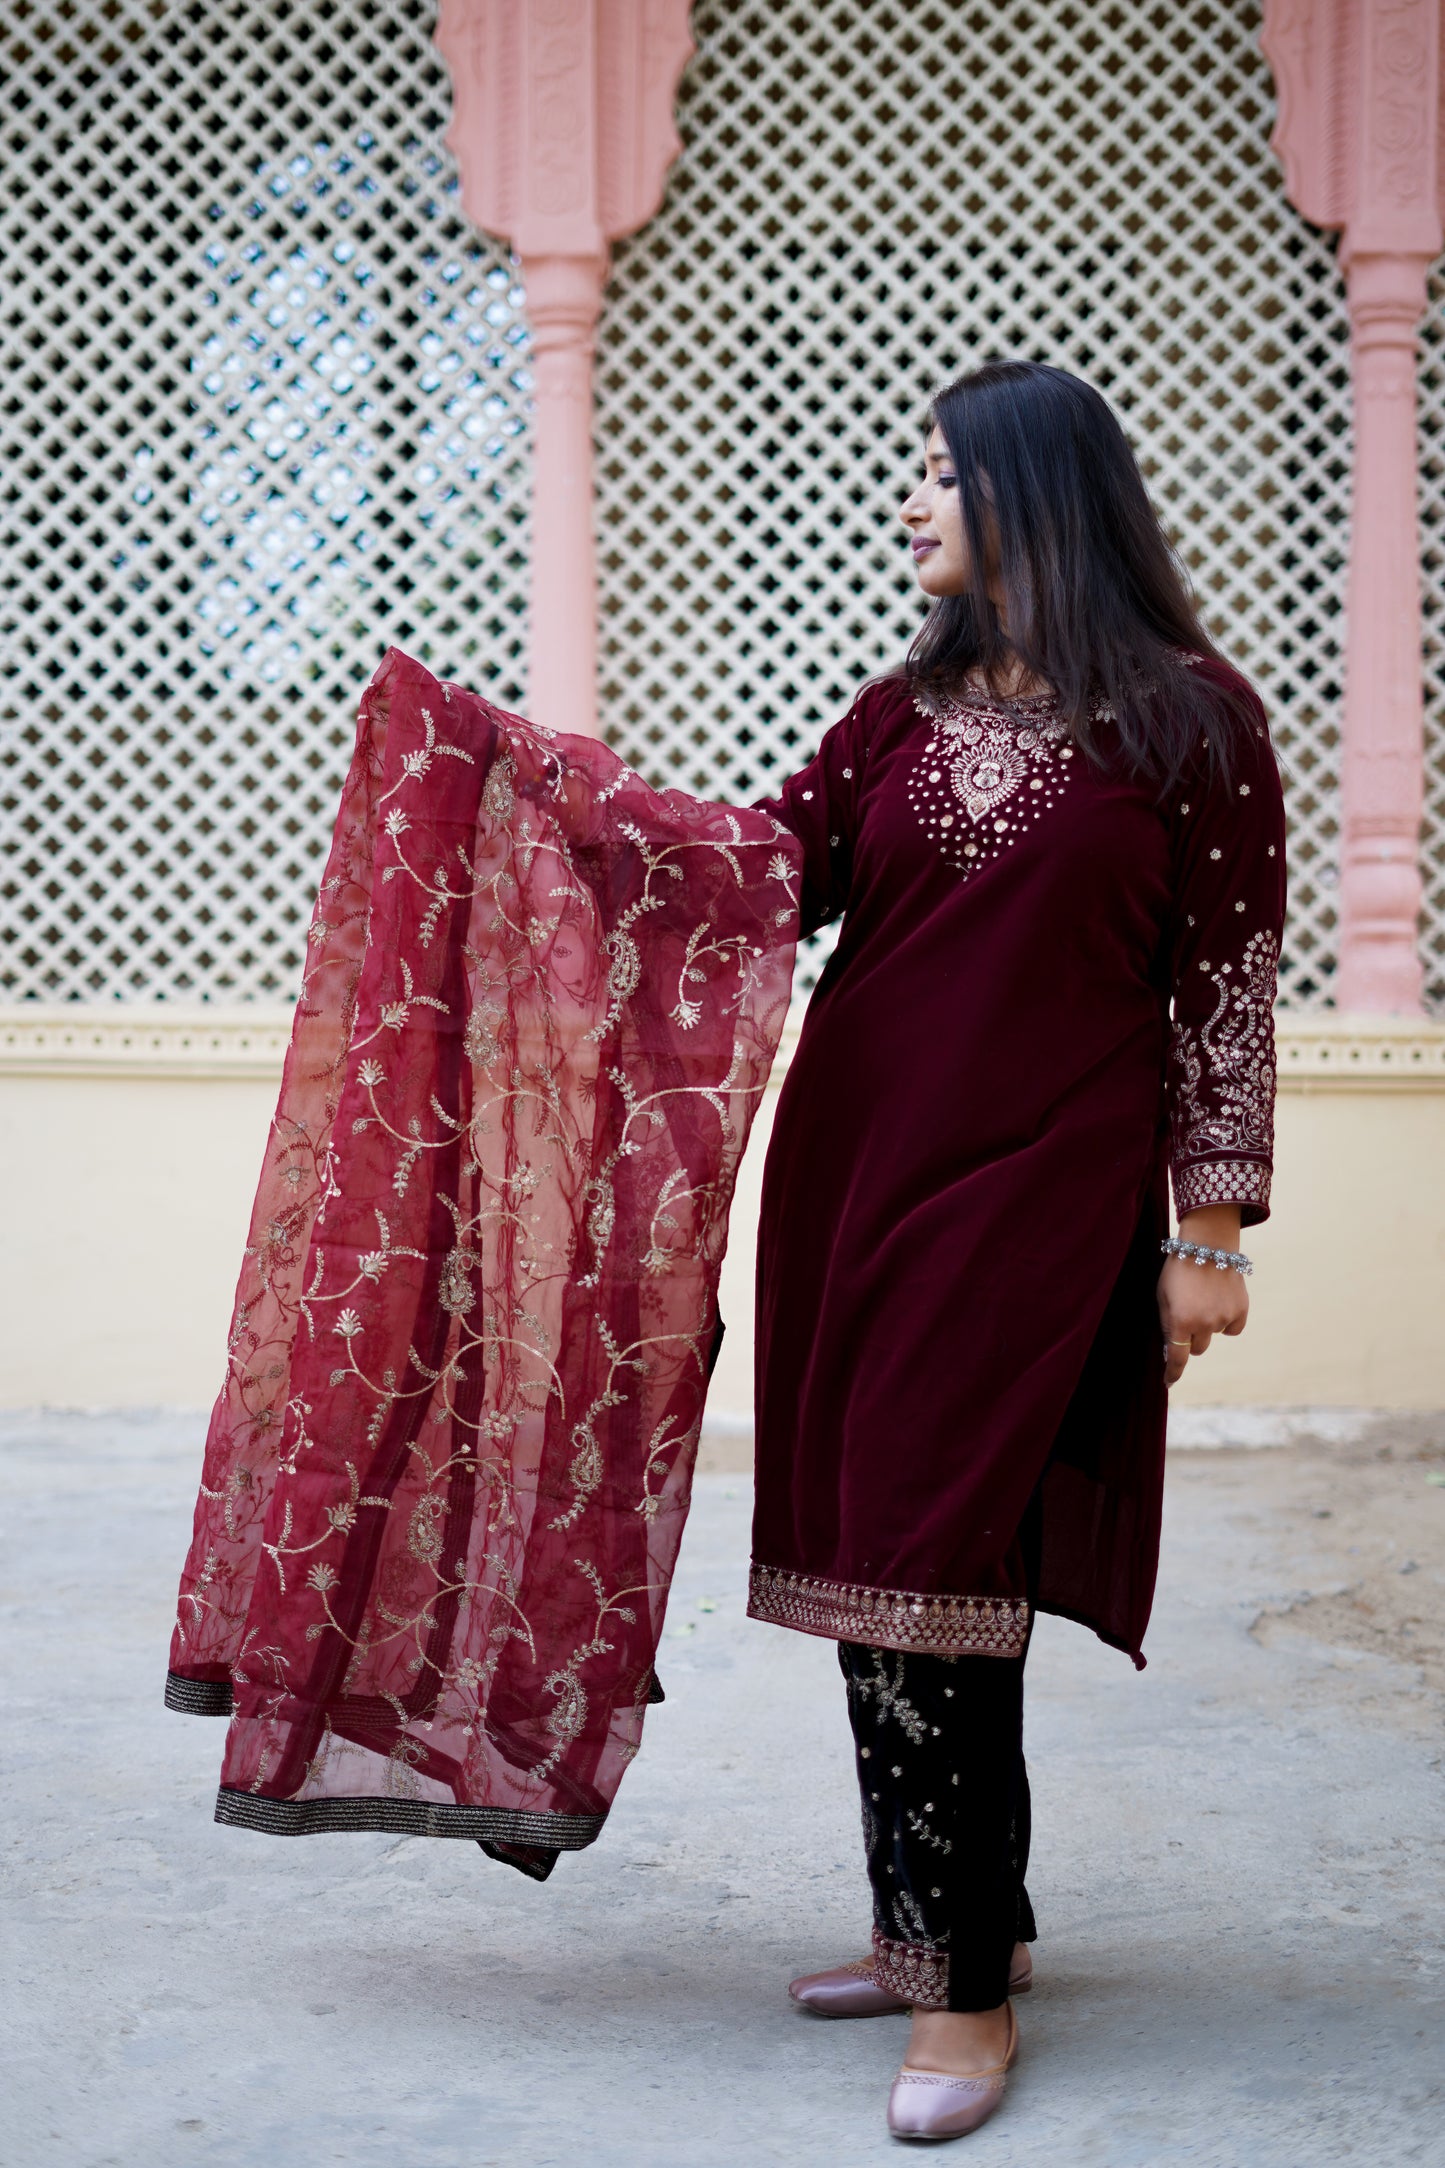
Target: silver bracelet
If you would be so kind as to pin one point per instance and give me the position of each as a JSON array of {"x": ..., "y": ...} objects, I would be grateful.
[{"x": 1201, "y": 1254}]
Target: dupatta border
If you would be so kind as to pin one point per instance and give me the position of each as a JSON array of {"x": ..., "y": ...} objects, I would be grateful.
[
  {"x": 198, "y": 1697},
  {"x": 406, "y": 1818},
  {"x": 888, "y": 1618}
]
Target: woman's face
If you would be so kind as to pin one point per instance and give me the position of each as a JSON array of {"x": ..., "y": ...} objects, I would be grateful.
[{"x": 933, "y": 515}]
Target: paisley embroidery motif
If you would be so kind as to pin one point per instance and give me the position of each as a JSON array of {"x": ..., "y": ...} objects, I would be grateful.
[
  {"x": 1224, "y": 1096},
  {"x": 985, "y": 775}
]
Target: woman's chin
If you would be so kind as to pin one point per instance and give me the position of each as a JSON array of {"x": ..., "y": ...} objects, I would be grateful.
[{"x": 935, "y": 579}]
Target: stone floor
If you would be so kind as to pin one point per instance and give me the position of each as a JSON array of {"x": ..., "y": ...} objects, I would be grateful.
[{"x": 1238, "y": 1871}]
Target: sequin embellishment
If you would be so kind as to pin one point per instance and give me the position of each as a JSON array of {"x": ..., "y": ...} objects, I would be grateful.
[
  {"x": 916, "y": 1972},
  {"x": 889, "y": 1618},
  {"x": 985, "y": 776}
]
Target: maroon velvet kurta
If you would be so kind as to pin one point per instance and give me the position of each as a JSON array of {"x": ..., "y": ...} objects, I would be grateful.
[{"x": 965, "y": 1188}]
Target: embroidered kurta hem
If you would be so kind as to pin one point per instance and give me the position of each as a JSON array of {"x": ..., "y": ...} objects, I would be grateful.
[
  {"x": 1049, "y": 987},
  {"x": 447, "y": 1473},
  {"x": 884, "y": 1619}
]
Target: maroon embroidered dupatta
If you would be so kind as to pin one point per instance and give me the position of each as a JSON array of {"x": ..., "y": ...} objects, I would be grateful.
[{"x": 446, "y": 1477}]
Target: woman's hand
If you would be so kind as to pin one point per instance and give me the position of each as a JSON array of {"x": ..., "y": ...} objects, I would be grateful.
[{"x": 1197, "y": 1301}]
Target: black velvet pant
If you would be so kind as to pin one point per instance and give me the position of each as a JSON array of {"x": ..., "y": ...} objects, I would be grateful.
[{"x": 945, "y": 1820}]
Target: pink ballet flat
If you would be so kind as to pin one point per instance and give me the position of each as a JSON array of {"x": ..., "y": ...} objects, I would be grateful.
[
  {"x": 931, "y": 2104},
  {"x": 851, "y": 1991}
]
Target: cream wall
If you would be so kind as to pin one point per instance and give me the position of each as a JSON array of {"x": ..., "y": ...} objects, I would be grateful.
[{"x": 130, "y": 1144}]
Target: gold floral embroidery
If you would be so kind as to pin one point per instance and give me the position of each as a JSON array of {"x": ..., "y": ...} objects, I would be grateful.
[
  {"x": 916, "y": 1972},
  {"x": 421, "y": 1445},
  {"x": 985, "y": 776},
  {"x": 1221, "y": 1181},
  {"x": 1223, "y": 1098},
  {"x": 889, "y": 1618},
  {"x": 890, "y": 1696}
]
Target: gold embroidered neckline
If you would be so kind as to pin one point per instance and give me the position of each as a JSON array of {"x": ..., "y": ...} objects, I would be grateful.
[
  {"x": 951, "y": 709},
  {"x": 986, "y": 775}
]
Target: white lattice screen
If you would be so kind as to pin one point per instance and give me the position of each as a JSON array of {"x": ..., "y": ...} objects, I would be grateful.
[
  {"x": 266, "y": 404},
  {"x": 265, "y": 397},
  {"x": 872, "y": 193}
]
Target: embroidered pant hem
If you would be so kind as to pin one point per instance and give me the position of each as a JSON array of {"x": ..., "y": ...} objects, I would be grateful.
[{"x": 945, "y": 1802}]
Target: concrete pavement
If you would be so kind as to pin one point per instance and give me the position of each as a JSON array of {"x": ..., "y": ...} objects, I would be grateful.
[{"x": 1237, "y": 1873}]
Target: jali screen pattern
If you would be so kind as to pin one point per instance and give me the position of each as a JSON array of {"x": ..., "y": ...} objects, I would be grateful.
[{"x": 267, "y": 411}]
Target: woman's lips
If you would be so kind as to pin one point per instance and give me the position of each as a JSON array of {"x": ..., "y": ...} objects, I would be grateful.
[{"x": 921, "y": 548}]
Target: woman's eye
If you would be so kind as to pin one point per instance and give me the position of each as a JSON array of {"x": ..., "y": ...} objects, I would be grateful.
[{"x": 947, "y": 481}]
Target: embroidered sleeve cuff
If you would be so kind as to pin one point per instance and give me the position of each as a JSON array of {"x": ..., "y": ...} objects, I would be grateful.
[{"x": 1243, "y": 1182}]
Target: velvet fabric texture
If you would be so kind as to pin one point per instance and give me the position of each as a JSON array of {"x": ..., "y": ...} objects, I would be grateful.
[
  {"x": 946, "y": 1820},
  {"x": 965, "y": 1188},
  {"x": 447, "y": 1473}
]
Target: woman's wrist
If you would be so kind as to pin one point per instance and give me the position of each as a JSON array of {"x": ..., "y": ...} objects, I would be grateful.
[{"x": 1215, "y": 1226}]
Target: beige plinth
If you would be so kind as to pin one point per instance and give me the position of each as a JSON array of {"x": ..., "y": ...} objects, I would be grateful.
[{"x": 130, "y": 1143}]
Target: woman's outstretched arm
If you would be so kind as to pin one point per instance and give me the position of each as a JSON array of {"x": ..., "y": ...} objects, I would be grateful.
[{"x": 819, "y": 804}]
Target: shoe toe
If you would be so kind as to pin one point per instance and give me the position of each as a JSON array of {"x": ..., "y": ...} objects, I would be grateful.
[
  {"x": 927, "y": 2104},
  {"x": 845, "y": 1991},
  {"x": 843, "y": 1998}
]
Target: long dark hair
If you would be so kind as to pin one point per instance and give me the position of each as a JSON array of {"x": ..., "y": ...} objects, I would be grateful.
[{"x": 1096, "y": 602}]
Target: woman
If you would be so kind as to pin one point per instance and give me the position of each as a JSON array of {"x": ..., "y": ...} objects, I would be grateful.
[
  {"x": 446, "y": 1476},
  {"x": 1059, "y": 819}
]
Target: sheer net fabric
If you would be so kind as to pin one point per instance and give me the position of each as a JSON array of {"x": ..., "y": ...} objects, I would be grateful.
[{"x": 446, "y": 1476}]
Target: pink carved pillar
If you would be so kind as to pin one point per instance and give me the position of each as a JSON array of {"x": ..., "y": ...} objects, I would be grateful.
[
  {"x": 563, "y": 134},
  {"x": 1383, "y": 771},
  {"x": 1360, "y": 114}
]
